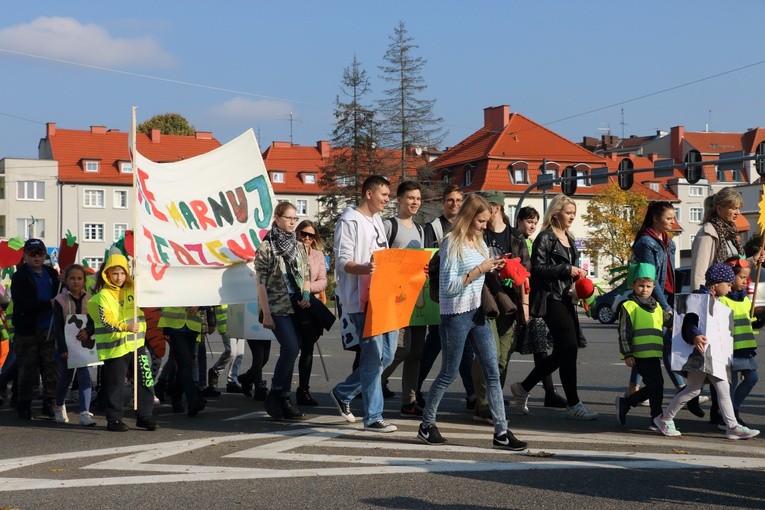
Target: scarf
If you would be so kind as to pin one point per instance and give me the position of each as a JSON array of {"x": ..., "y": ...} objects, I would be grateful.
[
  {"x": 728, "y": 236},
  {"x": 284, "y": 244}
]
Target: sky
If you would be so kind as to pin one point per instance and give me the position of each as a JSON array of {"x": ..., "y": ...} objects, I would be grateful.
[{"x": 580, "y": 68}]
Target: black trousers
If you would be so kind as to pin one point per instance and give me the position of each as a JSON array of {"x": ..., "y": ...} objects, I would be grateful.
[
  {"x": 113, "y": 377},
  {"x": 183, "y": 347},
  {"x": 653, "y": 384}
]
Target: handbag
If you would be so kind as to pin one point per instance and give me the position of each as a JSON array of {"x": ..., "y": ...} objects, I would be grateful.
[{"x": 531, "y": 336}]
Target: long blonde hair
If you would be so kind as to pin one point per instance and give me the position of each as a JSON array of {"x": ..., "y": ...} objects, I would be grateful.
[
  {"x": 557, "y": 204},
  {"x": 460, "y": 234}
]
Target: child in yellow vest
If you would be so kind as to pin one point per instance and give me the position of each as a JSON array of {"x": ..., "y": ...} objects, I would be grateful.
[
  {"x": 118, "y": 334},
  {"x": 743, "y": 367},
  {"x": 641, "y": 340}
]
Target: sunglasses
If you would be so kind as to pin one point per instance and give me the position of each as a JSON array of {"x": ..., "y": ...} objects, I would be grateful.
[
  {"x": 35, "y": 253},
  {"x": 306, "y": 234}
]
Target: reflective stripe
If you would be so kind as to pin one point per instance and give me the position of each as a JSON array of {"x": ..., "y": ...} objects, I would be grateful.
[{"x": 647, "y": 340}]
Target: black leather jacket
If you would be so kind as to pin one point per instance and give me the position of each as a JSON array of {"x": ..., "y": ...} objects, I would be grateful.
[{"x": 550, "y": 271}]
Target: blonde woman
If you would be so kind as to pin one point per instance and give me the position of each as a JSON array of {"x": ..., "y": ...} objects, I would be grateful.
[
  {"x": 464, "y": 259},
  {"x": 554, "y": 268}
]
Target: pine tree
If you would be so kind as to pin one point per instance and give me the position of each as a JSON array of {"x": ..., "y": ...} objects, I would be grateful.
[{"x": 407, "y": 120}]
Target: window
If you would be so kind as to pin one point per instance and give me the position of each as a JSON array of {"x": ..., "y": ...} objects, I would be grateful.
[
  {"x": 91, "y": 166},
  {"x": 696, "y": 191},
  {"x": 468, "y": 177},
  {"x": 119, "y": 230},
  {"x": 301, "y": 205},
  {"x": 677, "y": 214},
  {"x": 120, "y": 199},
  {"x": 584, "y": 179},
  {"x": 720, "y": 174},
  {"x": 511, "y": 214},
  {"x": 277, "y": 177},
  {"x": 93, "y": 198},
  {"x": 93, "y": 232},
  {"x": 695, "y": 214},
  {"x": 654, "y": 186},
  {"x": 94, "y": 262},
  {"x": 30, "y": 190},
  {"x": 126, "y": 167},
  {"x": 309, "y": 179},
  {"x": 735, "y": 175},
  {"x": 30, "y": 227}
]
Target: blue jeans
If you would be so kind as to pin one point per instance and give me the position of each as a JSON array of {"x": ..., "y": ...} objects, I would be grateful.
[
  {"x": 376, "y": 353},
  {"x": 289, "y": 347},
  {"x": 66, "y": 375},
  {"x": 455, "y": 330},
  {"x": 430, "y": 352},
  {"x": 740, "y": 390}
]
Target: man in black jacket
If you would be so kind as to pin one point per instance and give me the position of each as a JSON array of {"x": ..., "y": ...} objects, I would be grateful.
[{"x": 33, "y": 287}]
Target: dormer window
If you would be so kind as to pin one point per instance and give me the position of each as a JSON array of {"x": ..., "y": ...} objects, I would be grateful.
[
  {"x": 277, "y": 177},
  {"x": 90, "y": 165},
  {"x": 309, "y": 178},
  {"x": 126, "y": 167},
  {"x": 654, "y": 186}
]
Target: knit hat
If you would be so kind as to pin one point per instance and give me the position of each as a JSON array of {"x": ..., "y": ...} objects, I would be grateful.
[
  {"x": 640, "y": 270},
  {"x": 718, "y": 273}
]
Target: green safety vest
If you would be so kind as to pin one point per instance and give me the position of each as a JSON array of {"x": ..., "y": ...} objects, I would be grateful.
[
  {"x": 9, "y": 320},
  {"x": 115, "y": 344},
  {"x": 743, "y": 334},
  {"x": 177, "y": 317},
  {"x": 648, "y": 341},
  {"x": 221, "y": 316}
]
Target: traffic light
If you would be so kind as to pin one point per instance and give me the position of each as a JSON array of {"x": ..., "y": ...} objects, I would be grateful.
[
  {"x": 759, "y": 163},
  {"x": 626, "y": 177},
  {"x": 693, "y": 169},
  {"x": 569, "y": 186}
]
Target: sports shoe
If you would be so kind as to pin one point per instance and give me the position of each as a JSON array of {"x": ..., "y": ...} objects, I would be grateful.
[
  {"x": 694, "y": 406},
  {"x": 146, "y": 423},
  {"x": 580, "y": 412},
  {"x": 741, "y": 432},
  {"x": 521, "y": 397},
  {"x": 666, "y": 427},
  {"x": 621, "y": 410},
  {"x": 483, "y": 417},
  {"x": 380, "y": 426},
  {"x": 290, "y": 412},
  {"x": 411, "y": 410},
  {"x": 86, "y": 419},
  {"x": 343, "y": 407},
  {"x": 117, "y": 426},
  {"x": 59, "y": 412},
  {"x": 703, "y": 399},
  {"x": 430, "y": 434},
  {"x": 507, "y": 441}
]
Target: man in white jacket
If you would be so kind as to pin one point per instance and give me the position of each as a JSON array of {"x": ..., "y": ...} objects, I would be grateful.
[{"x": 358, "y": 234}]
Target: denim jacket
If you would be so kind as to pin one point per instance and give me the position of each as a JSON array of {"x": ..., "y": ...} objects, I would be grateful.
[{"x": 649, "y": 250}]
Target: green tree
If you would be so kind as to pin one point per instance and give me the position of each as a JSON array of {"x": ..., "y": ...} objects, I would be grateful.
[
  {"x": 407, "y": 120},
  {"x": 168, "y": 124},
  {"x": 613, "y": 218}
]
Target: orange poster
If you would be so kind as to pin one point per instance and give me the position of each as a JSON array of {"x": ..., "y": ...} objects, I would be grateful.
[{"x": 396, "y": 283}]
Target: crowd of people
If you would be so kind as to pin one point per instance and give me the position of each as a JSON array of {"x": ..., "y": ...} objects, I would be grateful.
[{"x": 483, "y": 320}]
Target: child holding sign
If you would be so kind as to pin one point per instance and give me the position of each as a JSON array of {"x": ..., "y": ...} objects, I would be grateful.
[{"x": 70, "y": 306}]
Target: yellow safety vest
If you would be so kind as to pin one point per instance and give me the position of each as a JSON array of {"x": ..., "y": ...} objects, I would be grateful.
[
  {"x": 114, "y": 344},
  {"x": 221, "y": 318},
  {"x": 9, "y": 320},
  {"x": 743, "y": 334},
  {"x": 647, "y": 341},
  {"x": 177, "y": 317}
]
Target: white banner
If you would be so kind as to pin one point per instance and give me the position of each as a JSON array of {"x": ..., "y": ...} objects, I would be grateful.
[
  {"x": 242, "y": 322},
  {"x": 197, "y": 222},
  {"x": 81, "y": 354}
]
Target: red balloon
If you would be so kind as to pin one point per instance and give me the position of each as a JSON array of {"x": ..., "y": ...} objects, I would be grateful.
[
  {"x": 129, "y": 243},
  {"x": 8, "y": 256}
]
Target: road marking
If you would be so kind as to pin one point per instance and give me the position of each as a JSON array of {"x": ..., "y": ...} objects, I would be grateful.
[{"x": 340, "y": 444}]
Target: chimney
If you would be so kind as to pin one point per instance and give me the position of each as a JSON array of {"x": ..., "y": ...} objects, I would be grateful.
[
  {"x": 653, "y": 157},
  {"x": 50, "y": 129},
  {"x": 496, "y": 118},
  {"x": 676, "y": 137},
  {"x": 323, "y": 147},
  {"x": 155, "y": 135},
  {"x": 203, "y": 135},
  {"x": 98, "y": 130}
]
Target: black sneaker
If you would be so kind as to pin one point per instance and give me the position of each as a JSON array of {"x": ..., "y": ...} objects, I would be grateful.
[
  {"x": 273, "y": 405},
  {"x": 380, "y": 426},
  {"x": 621, "y": 410},
  {"x": 508, "y": 441},
  {"x": 290, "y": 412},
  {"x": 343, "y": 407},
  {"x": 387, "y": 392},
  {"x": 430, "y": 434},
  {"x": 304, "y": 398},
  {"x": 146, "y": 423},
  {"x": 116, "y": 426},
  {"x": 411, "y": 411}
]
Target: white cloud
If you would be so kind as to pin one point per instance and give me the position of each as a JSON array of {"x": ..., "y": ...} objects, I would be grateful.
[
  {"x": 240, "y": 108},
  {"x": 68, "y": 39}
]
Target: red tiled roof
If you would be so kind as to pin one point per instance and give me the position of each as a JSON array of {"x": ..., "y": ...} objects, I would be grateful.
[
  {"x": 752, "y": 139},
  {"x": 714, "y": 143},
  {"x": 70, "y": 147}
]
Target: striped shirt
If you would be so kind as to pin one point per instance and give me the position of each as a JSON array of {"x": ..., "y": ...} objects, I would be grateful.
[{"x": 453, "y": 296}]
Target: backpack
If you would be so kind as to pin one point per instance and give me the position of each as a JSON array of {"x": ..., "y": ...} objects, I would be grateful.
[{"x": 394, "y": 231}]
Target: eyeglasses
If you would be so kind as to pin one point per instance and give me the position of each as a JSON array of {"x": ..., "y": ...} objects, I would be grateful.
[
  {"x": 306, "y": 234},
  {"x": 291, "y": 219}
]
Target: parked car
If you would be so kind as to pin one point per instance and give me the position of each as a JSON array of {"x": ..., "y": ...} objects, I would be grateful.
[{"x": 605, "y": 305}]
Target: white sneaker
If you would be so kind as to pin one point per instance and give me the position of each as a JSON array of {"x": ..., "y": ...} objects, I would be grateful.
[
  {"x": 521, "y": 397},
  {"x": 666, "y": 427},
  {"x": 741, "y": 432},
  {"x": 380, "y": 426},
  {"x": 86, "y": 419},
  {"x": 580, "y": 412},
  {"x": 60, "y": 413}
]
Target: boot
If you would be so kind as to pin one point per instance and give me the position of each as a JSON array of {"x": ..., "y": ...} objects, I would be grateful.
[
  {"x": 304, "y": 398},
  {"x": 261, "y": 392},
  {"x": 290, "y": 412},
  {"x": 246, "y": 381},
  {"x": 273, "y": 405}
]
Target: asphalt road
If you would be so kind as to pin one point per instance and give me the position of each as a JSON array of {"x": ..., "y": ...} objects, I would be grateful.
[{"x": 233, "y": 456}]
